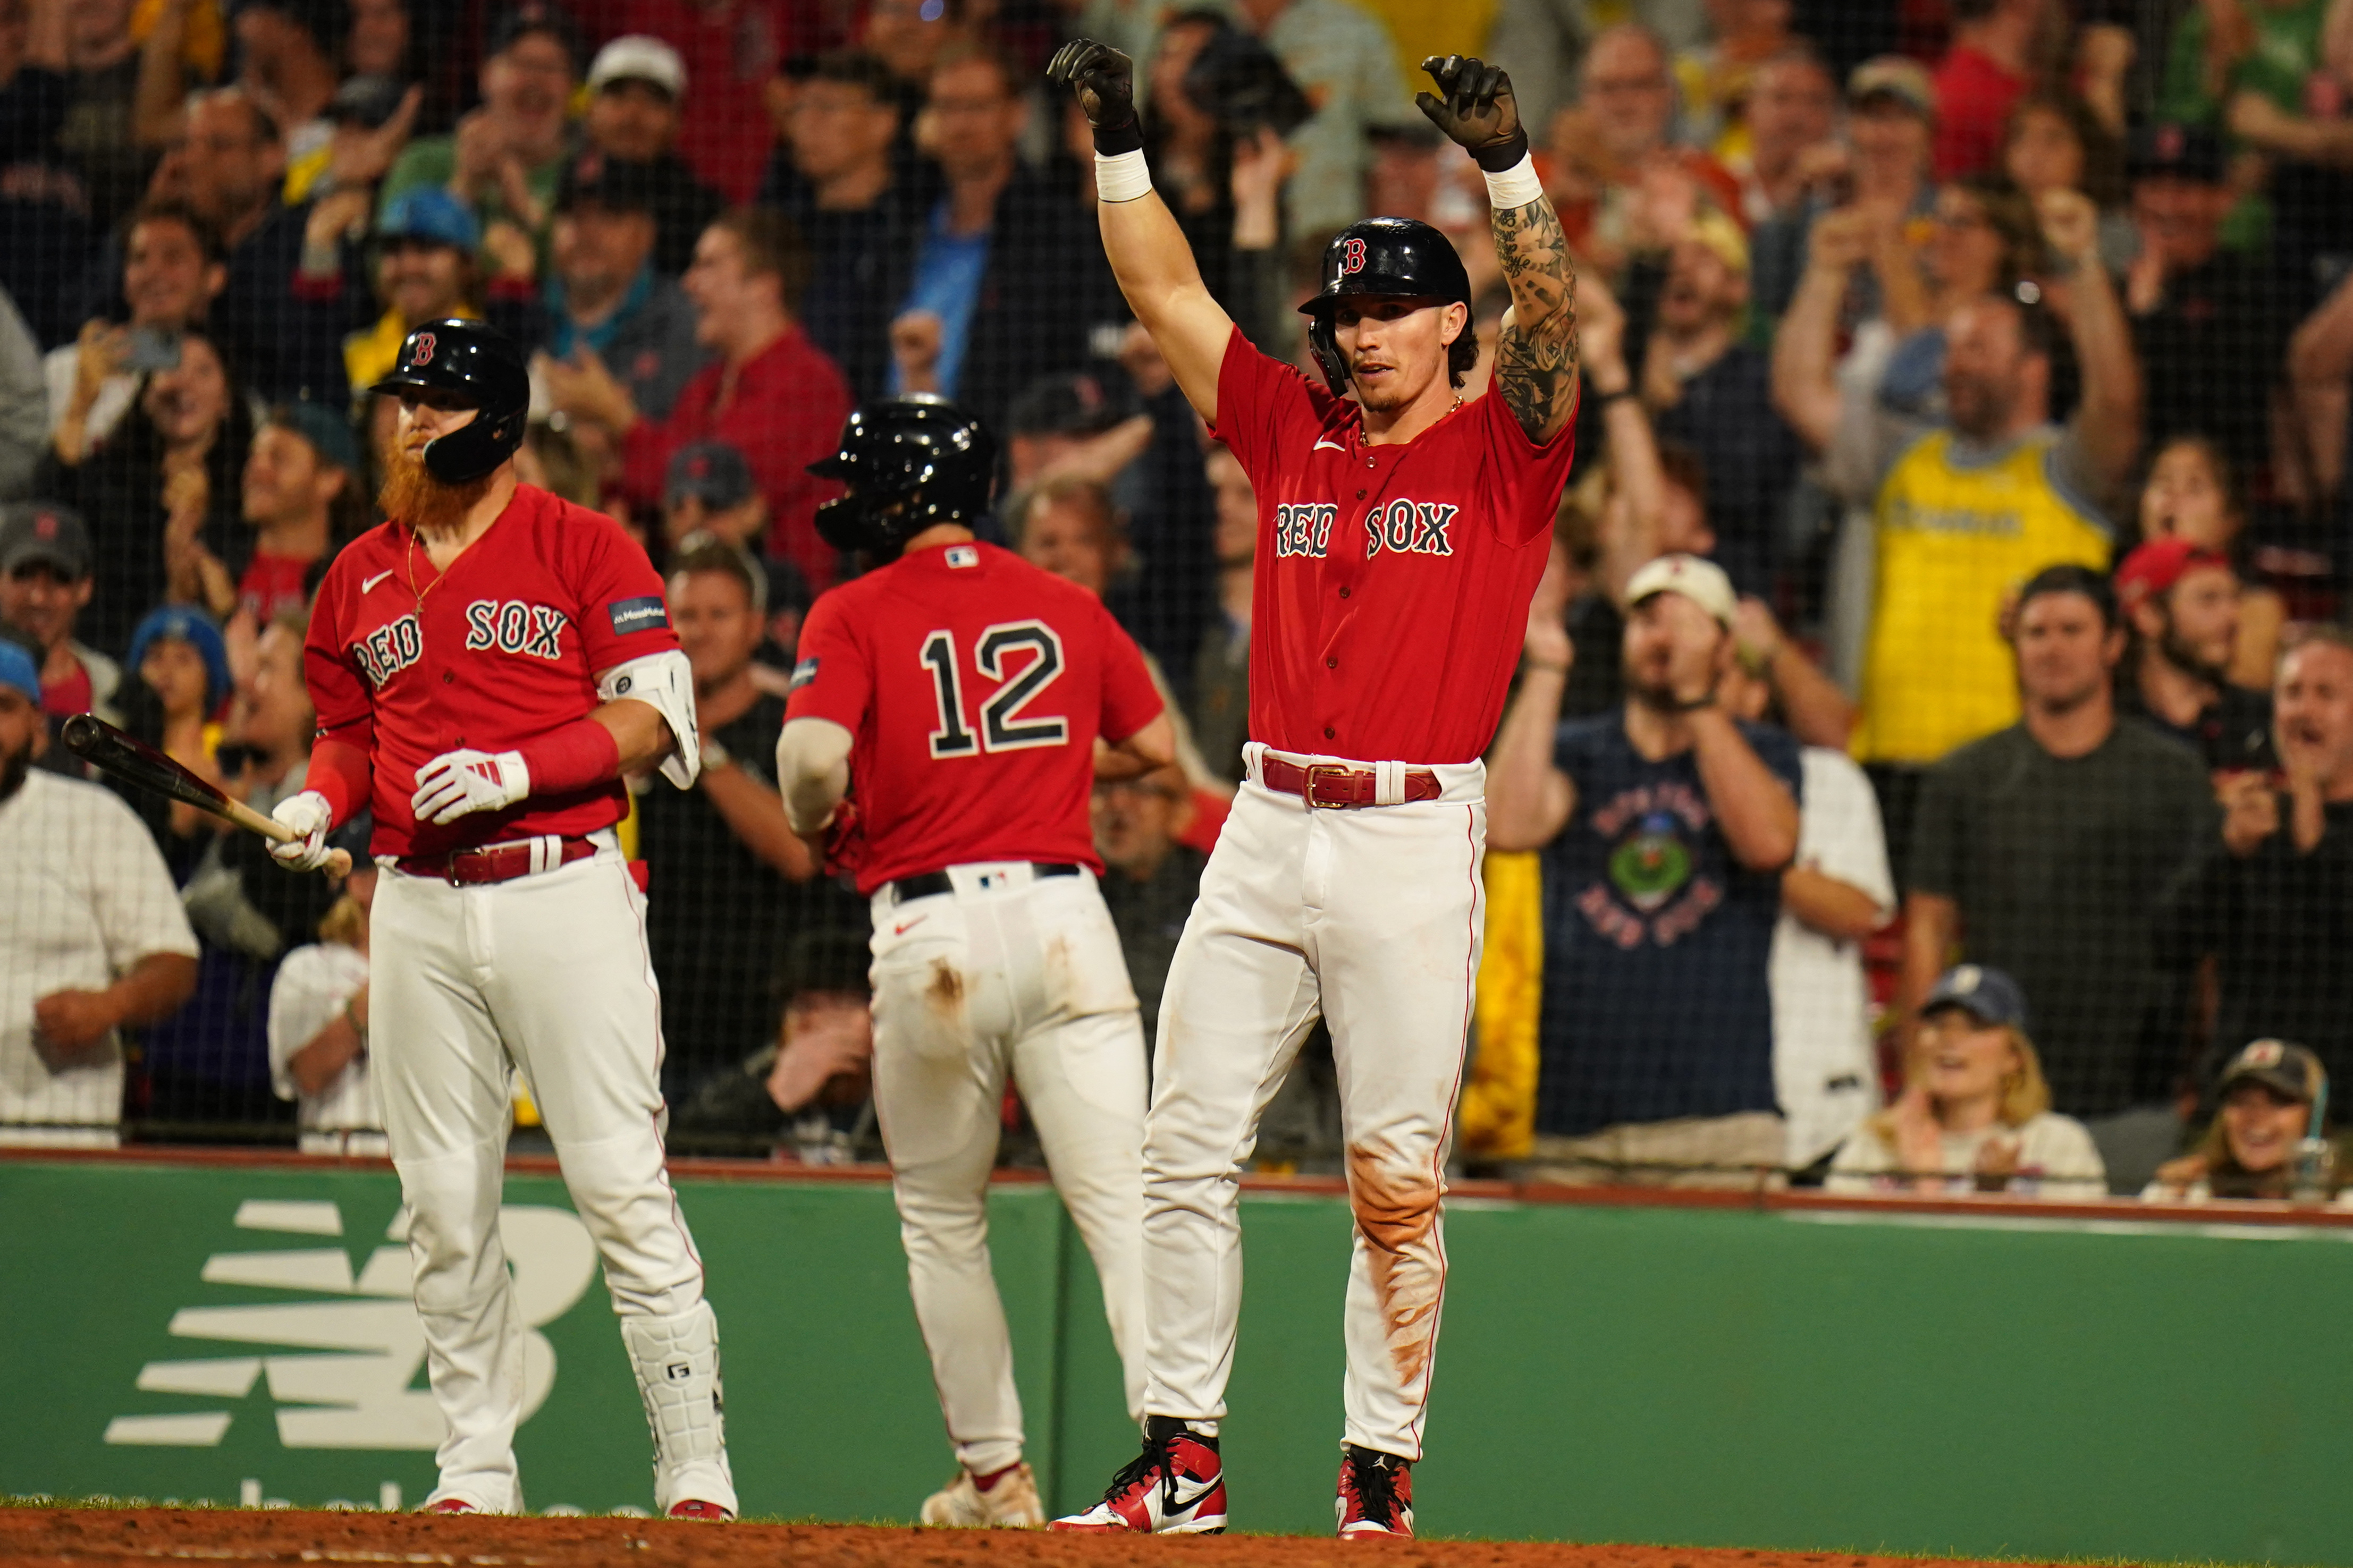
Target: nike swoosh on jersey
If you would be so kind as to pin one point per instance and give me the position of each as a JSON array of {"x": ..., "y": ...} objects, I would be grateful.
[
  {"x": 368, "y": 582},
  {"x": 1323, "y": 443}
]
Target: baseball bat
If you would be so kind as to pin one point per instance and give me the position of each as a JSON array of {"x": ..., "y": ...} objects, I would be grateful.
[{"x": 134, "y": 762}]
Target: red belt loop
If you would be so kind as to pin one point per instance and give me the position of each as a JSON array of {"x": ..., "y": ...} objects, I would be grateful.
[
  {"x": 493, "y": 862},
  {"x": 1341, "y": 787}
]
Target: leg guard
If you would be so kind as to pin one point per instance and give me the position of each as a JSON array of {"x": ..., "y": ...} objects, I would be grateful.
[{"x": 677, "y": 1363}]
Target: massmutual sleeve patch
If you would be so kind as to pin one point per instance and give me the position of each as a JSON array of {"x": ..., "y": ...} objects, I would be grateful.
[
  {"x": 803, "y": 673},
  {"x": 641, "y": 615}
]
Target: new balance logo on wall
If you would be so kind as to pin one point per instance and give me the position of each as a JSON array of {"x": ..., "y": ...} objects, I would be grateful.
[{"x": 369, "y": 1395}]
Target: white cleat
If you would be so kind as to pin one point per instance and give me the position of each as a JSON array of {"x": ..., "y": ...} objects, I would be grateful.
[{"x": 1011, "y": 1504}]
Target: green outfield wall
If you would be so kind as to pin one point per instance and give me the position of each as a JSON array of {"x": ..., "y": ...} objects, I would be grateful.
[{"x": 2095, "y": 1386}]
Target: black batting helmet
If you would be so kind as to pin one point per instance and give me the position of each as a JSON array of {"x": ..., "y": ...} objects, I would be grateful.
[
  {"x": 909, "y": 462},
  {"x": 477, "y": 362},
  {"x": 1382, "y": 259}
]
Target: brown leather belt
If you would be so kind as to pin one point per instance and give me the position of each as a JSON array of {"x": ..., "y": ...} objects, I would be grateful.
[
  {"x": 492, "y": 862},
  {"x": 1341, "y": 787}
]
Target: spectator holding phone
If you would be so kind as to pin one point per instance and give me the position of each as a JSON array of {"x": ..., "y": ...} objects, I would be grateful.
[
  {"x": 173, "y": 270},
  {"x": 1975, "y": 1114},
  {"x": 2273, "y": 1096},
  {"x": 2266, "y": 899},
  {"x": 161, "y": 493}
]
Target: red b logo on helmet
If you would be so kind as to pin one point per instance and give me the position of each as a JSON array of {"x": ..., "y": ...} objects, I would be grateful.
[
  {"x": 1352, "y": 257},
  {"x": 423, "y": 352}
]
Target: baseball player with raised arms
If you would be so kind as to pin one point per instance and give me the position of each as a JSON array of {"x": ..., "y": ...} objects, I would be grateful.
[
  {"x": 486, "y": 665},
  {"x": 1402, "y": 533},
  {"x": 965, "y": 702}
]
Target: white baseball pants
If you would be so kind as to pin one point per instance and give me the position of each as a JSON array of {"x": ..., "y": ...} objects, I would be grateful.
[
  {"x": 551, "y": 972},
  {"x": 1371, "y": 918},
  {"x": 1010, "y": 971}
]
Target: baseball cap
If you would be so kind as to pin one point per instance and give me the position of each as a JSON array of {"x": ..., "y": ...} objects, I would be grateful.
[
  {"x": 365, "y": 100},
  {"x": 2166, "y": 150},
  {"x": 34, "y": 531},
  {"x": 1986, "y": 994},
  {"x": 183, "y": 623},
  {"x": 2154, "y": 568},
  {"x": 1702, "y": 582},
  {"x": 519, "y": 22},
  {"x": 613, "y": 182},
  {"x": 1077, "y": 404},
  {"x": 638, "y": 56},
  {"x": 429, "y": 213},
  {"x": 1892, "y": 75},
  {"x": 2289, "y": 1069},
  {"x": 17, "y": 669},
  {"x": 1721, "y": 235},
  {"x": 329, "y": 433},
  {"x": 712, "y": 472}
]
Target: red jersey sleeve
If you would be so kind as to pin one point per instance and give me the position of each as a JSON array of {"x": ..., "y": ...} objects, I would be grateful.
[
  {"x": 1526, "y": 479},
  {"x": 623, "y": 615},
  {"x": 1260, "y": 403},
  {"x": 1130, "y": 700},
  {"x": 834, "y": 678},
  {"x": 339, "y": 693}
]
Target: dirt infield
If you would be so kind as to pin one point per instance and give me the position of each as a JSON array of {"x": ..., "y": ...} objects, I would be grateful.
[{"x": 87, "y": 1537}]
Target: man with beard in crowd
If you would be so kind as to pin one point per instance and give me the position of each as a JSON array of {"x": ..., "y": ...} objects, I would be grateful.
[{"x": 2181, "y": 602}]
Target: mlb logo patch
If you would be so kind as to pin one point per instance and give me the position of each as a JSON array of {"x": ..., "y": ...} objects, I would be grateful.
[{"x": 961, "y": 556}]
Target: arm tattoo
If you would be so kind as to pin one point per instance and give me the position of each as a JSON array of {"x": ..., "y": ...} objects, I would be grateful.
[{"x": 1535, "y": 360}]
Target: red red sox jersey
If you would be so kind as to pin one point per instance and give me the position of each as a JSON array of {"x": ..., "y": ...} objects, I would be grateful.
[
  {"x": 975, "y": 685},
  {"x": 1393, "y": 580},
  {"x": 407, "y": 662}
]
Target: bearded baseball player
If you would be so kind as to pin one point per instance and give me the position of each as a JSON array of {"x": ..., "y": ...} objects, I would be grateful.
[
  {"x": 1402, "y": 533},
  {"x": 486, "y": 665},
  {"x": 964, "y": 701}
]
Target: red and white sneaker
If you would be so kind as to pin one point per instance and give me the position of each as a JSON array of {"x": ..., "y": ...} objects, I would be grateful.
[
  {"x": 1376, "y": 1498},
  {"x": 1176, "y": 1487},
  {"x": 450, "y": 1505},
  {"x": 695, "y": 1508}
]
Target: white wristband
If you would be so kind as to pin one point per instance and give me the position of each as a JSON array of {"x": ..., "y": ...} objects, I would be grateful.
[
  {"x": 1514, "y": 188},
  {"x": 1122, "y": 176}
]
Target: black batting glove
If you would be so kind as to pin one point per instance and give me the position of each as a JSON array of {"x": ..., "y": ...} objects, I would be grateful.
[
  {"x": 1105, "y": 81},
  {"x": 1475, "y": 106}
]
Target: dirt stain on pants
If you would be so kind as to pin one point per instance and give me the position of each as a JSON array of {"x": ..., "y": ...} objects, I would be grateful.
[{"x": 1396, "y": 1212}]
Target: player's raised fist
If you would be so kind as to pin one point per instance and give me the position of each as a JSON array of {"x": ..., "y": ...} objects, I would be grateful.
[
  {"x": 1473, "y": 105},
  {"x": 1105, "y": 82}
]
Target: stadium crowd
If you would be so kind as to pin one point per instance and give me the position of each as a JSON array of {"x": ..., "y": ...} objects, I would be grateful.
[{"x": 1932, "y": 763}]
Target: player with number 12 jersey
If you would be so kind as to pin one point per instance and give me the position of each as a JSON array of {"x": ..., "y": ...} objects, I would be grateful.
[{"x": 973, "y": 700}]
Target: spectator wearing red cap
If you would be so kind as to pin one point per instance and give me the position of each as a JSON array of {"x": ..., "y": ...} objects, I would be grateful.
[{"x": 2181, "y": 601}]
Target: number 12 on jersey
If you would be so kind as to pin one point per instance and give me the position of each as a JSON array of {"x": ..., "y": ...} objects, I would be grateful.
[{"x": 999, "y": 658}]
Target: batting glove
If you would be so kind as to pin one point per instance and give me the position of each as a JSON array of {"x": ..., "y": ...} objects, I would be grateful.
[
  {"x": 459, "y": 783},
  {"x": 1475, "y": 106},
  {"x": 309, "y": 814},
  {"x": 1105, "y": 81}
]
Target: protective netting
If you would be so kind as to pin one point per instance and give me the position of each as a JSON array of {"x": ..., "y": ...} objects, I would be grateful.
[{"x": 1996, "y": 350}]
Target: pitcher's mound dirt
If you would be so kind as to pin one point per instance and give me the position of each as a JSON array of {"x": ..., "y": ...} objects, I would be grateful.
[{"x": 87, "y": 1537}]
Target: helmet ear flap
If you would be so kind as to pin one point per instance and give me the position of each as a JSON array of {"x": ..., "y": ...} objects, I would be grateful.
[
  {"x": 1324, "y": 340},
  {"x": 841, "y": 522}
]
